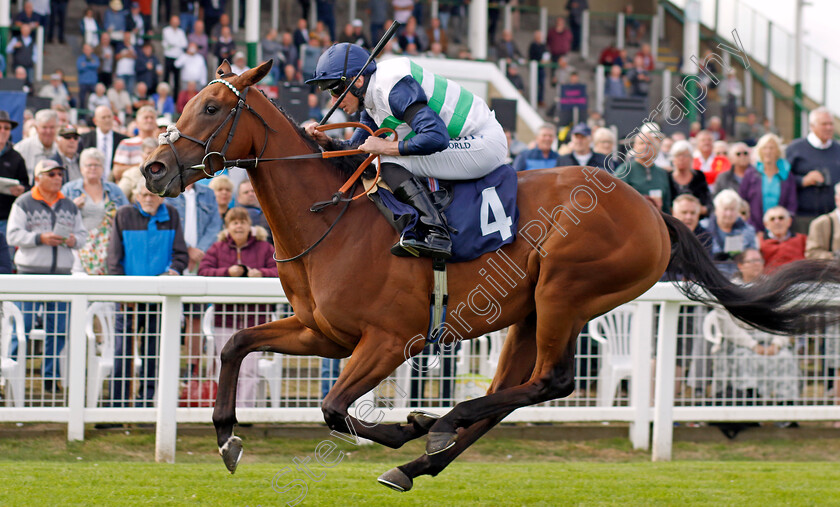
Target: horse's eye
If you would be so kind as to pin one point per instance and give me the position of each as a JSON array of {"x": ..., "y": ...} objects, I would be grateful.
[{"x": 211, "y": 109}]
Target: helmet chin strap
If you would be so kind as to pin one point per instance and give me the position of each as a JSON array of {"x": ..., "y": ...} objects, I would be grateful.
[{"x": 359, "y": 92}]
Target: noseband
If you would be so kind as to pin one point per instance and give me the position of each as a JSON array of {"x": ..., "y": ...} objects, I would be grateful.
[{"x": 172, "y": 134}]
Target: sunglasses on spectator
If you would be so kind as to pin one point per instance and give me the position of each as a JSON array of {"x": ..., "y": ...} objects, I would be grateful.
[
  {"x": 74, "y": 137},
  {"x": 52, "y": 174}
]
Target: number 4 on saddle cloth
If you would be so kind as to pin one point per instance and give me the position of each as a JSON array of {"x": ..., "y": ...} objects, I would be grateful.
[{"x": 481, "y": 214}]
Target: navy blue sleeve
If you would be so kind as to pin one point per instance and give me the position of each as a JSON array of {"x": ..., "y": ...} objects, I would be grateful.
[
  {"x": 5, "y": 258},
  {"x": 409, "y": 103},
  {"x": 359, "y": 135}
]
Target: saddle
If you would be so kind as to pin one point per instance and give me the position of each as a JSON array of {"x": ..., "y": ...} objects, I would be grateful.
[{"x": 481, "y": 214}]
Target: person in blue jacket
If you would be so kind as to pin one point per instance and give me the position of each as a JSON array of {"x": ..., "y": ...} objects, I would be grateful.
[{"x": 146, "y": 240}]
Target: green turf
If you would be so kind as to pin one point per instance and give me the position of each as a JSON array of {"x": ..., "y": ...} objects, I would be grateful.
[{"x": 492, "y": 484}]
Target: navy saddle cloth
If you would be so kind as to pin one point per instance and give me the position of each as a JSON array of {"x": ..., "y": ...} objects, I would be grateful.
[{"x": 482, "y": 213}]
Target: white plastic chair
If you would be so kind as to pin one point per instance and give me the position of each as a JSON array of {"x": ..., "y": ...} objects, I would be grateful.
[
  {"x": 490, "y": 359},
  {"x": 100, "y": 356},
  {"x": 269, "y": 367},
  {"x": 712, "y": 330},
  {"x": 13, "y": 369},
  {"x": 613, "y": 332}
]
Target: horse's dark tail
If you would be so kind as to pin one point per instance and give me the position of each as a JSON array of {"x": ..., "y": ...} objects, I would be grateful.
[{"x": 785, "y": 302}]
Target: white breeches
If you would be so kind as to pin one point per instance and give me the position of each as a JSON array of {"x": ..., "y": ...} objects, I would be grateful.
[{"x": 466, "y": 158}]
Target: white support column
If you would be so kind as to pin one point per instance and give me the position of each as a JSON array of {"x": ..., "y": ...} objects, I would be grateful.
[
  {"x": 275, "y": 14},
  {"x": 167, "y": 390},
  {"x": 769, "y": 106},
  {"x": 691, "y": 36},
  {"x": 642, "y": 336},
  {"x": 654, "y": 38},
  {"x": 478, "y": 29},
  {"x": 39, "y": 48},
  {"x": 508, "y": 17},
  {"x": 544, "y": 21},
  {"x": 666, "y": 359},
  {"x": 584, "y": 35},
  {"x": 313, "y": 14},
  {"x": 660, "y": 18},
  {"x": 533, "y": 71},
  {"x": 619, "y": 31},
  {"x": 600, "y": 80},
  {"x": 76, "y": 347},
  {"x": 351, "y": 12},
  {"x": 748, "y": 89},
  {"x": 252, "y": 30},
  {"x": 156, "y": 13},
  {"x": 666, "y": 84},
  {"x": 234, "y": 17},
  {"x": 435, "y": 8},
  {"x": 5, "y": 24},
  {"x": 804, "y": 128}
]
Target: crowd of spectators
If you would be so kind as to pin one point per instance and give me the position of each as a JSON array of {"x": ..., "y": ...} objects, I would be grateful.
[{"x": 741, "y": 188}]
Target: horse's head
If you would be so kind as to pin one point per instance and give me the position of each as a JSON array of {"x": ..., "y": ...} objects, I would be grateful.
[{"x": 199, "y": 143}]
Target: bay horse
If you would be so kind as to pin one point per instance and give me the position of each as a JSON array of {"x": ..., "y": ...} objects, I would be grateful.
[{"x": 587, "y": 243}]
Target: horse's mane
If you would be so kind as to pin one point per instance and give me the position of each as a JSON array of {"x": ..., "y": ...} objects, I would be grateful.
[{"x": 345, "y": 165}]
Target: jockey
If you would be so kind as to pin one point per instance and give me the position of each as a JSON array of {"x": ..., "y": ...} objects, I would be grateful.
[{"x": 444, "y": 132}]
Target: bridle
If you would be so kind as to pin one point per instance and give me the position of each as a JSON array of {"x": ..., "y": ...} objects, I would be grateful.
[{"x": 172, "y": 134}]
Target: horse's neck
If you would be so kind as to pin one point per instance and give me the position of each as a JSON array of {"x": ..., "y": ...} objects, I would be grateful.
[{"x": 287, "y": 189}]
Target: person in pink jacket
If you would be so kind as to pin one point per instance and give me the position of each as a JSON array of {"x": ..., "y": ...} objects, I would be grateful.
[{"x": 240, "y": 252}]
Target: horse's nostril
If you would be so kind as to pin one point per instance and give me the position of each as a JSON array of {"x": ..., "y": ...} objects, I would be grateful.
[{"x": 154, "y": 168}]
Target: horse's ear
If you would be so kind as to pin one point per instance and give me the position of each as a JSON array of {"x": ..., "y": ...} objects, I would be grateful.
[
  {"x": 255, "y": 75},
  {"x": 224, "y": 68}
]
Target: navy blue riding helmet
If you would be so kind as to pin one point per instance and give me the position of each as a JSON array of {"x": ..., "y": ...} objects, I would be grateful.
[{"x": 339, "y": 65}]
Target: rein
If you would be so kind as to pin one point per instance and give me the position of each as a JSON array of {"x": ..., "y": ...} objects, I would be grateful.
[{"x": 172, "y": 134}]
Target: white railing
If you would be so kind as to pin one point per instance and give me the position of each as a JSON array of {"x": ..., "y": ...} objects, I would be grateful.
[{"x": 465, "y": 372}]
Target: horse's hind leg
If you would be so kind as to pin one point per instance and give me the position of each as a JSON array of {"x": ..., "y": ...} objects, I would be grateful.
[
  {"x": 515, "y": 366},
  {"x": 286, "y": 336},
  {"x": 552, "y": 378},
  {"x": 373, "y": 360}
]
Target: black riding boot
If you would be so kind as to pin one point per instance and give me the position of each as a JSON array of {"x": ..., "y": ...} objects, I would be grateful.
[{"x": 432, "y": 233}]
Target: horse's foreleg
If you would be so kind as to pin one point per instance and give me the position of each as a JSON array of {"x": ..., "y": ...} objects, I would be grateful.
[
  {"x": 286, "y": 336},
  {"x": 516, "y": 363},
  {"x": 373, "y": 360}
]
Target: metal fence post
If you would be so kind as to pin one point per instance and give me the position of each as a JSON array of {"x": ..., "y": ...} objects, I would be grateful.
[
  {"x": 508, "y": 17},
  {"x": 167, "y": 389},
  {"x": 76, "y": 368},
  {"x": 666, "y": 351}
]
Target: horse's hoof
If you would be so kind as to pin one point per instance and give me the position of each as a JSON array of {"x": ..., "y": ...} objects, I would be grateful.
[
  {"x": 231, "y": 453},
  {"x": 423, "y": 420},
  {"x": 439, "y": 442},
  {"x": 396, "y": 480}
]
